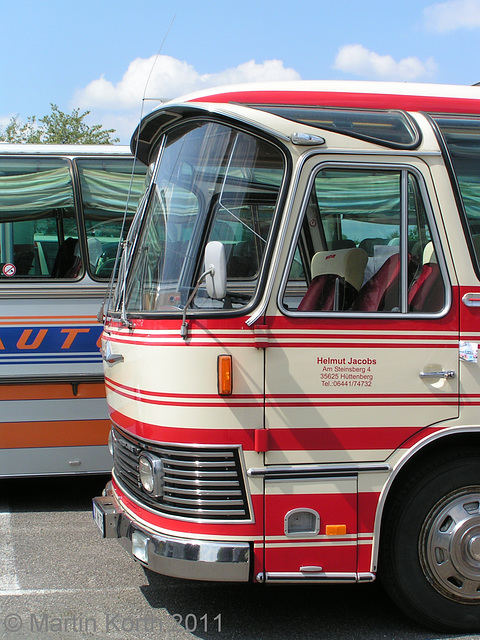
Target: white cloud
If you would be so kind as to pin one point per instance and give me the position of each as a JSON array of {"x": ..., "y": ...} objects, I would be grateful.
[
  {"x": 119, "y": 106},
  {"x": 268, "y": 71},
  {"x": 356, "y": 59},
  {"x": 166, "y": 77},
  {"x": 454, "y": 14}
]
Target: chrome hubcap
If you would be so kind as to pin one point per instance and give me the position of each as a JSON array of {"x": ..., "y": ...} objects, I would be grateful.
[{"x": 449, "y": 546}]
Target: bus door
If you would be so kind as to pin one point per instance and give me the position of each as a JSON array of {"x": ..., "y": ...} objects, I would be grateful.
[{"x": 362, "y": 356}]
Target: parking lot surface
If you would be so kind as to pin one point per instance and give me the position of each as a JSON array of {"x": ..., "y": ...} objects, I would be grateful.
[{"x": 59, "y": 579}]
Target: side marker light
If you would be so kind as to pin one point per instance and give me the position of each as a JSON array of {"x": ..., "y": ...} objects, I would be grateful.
[
  {"x": 336, "y": 529},
  {"x": 224, "y": 371}
]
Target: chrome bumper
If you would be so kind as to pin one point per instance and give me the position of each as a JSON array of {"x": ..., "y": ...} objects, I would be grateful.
[{"x": 170, "y": 555}]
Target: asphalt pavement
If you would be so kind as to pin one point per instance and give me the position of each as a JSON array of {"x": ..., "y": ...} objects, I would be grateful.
[{"x": 60, "y": 580}]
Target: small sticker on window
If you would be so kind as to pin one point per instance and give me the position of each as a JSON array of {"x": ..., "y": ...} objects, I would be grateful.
[{"x": 469, "y": 351}]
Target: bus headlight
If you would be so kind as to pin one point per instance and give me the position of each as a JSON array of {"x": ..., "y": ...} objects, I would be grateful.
[{"x": 150, "y": 471}]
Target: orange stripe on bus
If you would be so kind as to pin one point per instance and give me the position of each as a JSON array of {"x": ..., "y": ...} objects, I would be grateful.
[
  {"x": 51, "y": 391},
  {"x": 16, "y": 435},
  {"x": 35, "y": 322}
]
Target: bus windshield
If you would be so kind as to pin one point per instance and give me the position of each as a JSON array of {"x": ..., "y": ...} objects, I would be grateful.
[{"x": 212, "y": 182}]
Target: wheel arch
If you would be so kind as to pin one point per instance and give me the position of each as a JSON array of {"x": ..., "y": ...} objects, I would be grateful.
[{"x": 410, "y": 463}]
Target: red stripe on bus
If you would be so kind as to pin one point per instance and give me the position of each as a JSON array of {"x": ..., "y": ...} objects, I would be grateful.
[
  {"x": 432, "y": 104},
  {"x": 298, "y": 439},
  {"x": 280, "y": 400},
  {"x": 300, "y": 343}
]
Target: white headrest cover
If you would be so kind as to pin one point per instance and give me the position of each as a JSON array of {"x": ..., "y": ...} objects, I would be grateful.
[
  {"x": 346, "y": 263},
  {"x": 429, "y": 255}
]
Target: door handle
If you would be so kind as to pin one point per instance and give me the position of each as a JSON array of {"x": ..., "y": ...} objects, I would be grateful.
[
  {"x": 471, "y": 299},
  {"x": 109, "y": 357},
  {"x": 438, "y": 374}
]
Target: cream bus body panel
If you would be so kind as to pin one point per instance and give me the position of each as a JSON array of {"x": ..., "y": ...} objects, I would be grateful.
[{"x": 158, "y": 385}]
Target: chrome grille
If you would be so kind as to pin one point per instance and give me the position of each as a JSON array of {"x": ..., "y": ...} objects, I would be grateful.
[{"x": 199, "y": 482}]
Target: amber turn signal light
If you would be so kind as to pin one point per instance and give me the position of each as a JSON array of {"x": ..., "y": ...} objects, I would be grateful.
[{"x": 225, "y": 382}]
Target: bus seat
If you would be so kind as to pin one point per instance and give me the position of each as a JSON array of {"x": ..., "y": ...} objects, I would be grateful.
[
  {"x": 95, "y": 249},
  {"x": 343, "y": 243},
  {"x": 67, "y": 264},
  {"x": 242, "y": 262},
  {"x": 369, "y": 244},
  {"x": 23, "y": 261},
  {"x": 427, "y": 293},
  {"x": 336, "y": 279},
  {"x": 372, "y": 296},
  {"x": 380, "y": 253}
]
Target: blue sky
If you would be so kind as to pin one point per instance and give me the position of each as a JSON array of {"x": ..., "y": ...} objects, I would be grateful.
[{"x": 97, "y": 55}]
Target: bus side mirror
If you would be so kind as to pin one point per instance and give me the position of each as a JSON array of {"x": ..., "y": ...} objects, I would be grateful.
[{"x": 216, "y": 270}]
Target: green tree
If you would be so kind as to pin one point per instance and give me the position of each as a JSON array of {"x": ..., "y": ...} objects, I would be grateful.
[{"x": 57, "y": 128}]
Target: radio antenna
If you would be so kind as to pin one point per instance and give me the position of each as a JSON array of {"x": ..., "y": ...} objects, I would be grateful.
[
  {"x": 144, "y": 97},
  {"x": 122, "y": 244},
  {"x": 157, "y": 56}
]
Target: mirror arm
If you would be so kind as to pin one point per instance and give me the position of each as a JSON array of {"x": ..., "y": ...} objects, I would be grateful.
[{"x": 184, "y": 327}]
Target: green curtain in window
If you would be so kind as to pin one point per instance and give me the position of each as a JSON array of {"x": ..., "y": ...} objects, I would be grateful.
[{"x": 28, "y": 196}]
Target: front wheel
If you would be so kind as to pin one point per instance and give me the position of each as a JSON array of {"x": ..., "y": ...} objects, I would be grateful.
[{"x": 430, "y": 548}]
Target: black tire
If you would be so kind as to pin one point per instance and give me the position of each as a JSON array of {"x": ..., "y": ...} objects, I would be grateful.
[{"x": 430, "y": 544}]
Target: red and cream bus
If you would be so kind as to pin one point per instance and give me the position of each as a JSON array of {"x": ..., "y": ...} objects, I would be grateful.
[
  {"x": 291, "y": 356},
  {"x": 61, "y": 218}
]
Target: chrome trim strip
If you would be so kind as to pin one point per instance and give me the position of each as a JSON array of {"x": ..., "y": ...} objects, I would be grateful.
[
  {"x": 182, "y": 518},
  {"x": 317, "y": 470},
  {"x": 172, "y": 556},
  {"x": 73, "y": 379},
  {"x": 418, "y": 153},
  {"x": 320, "y": 576},
  {"x": 404, "y": 242},
  {"x": 72, "y": 290},
  {"x": 260, "y": 311}
]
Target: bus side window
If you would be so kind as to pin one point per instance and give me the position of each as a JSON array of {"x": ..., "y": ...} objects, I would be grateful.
[
  {"x": 37, "y": 215},
  {"x": 110, "y": 190},
  {"x": 352, "y": 259}
]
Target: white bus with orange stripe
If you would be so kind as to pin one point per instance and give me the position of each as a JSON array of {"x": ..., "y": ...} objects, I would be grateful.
[
  {"x": 61, "y": 217},
  {"x": 291, "y": 356}
]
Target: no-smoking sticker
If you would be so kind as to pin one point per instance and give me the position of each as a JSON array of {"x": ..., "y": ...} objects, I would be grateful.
[{"x": 9, "y": 269}]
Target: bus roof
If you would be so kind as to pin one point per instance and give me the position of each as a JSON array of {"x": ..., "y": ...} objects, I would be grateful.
[
  {"x": 435, "y": 98},
  {"x": 368, "y": 96},
  {"x": 64, "y": 149}
]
